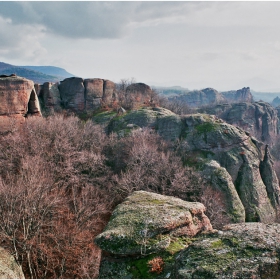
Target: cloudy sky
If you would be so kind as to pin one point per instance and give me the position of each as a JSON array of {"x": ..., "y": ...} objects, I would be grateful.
[{"x": 224, "y": 45}]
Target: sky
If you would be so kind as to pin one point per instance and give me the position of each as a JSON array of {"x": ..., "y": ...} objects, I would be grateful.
[{"x": 223, "y": 45}]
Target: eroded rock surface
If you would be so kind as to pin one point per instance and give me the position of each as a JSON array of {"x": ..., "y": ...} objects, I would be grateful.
[
  {"x": 258, "y": 118},
  {"x": 243, "y": 170},
  {"x": 144, "y": 222},
  {"x": 18, "y": 99},
  {"x": 240, "y": 155},
  {"x": 240, "y": 251}
]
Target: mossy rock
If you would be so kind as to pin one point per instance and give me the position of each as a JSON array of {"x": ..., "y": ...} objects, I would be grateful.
[
  {"x": 144, "y": 223},
  {"x": 240, "y": 251}
]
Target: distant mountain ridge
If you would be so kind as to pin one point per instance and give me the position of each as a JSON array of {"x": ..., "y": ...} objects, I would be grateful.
[{"x": 38, "y": 74}]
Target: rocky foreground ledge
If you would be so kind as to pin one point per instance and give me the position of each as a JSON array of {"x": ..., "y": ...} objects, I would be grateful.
[{"x": 155, "y": 236}]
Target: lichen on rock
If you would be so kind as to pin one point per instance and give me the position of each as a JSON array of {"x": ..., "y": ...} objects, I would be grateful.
[{"x": 143, "y": 223}]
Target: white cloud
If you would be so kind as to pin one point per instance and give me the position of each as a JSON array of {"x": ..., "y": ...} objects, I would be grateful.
[{"x": 20, "y": 41}]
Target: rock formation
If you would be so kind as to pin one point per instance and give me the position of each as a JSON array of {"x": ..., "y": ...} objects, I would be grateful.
[
  {"x": 228, "y": 157},
  {"x": 239, "y": 251},
  {"x": 148, "y": 223},
  {"x": 139, "y": 224},
  {"x": 258, "y": 118},
  {"x": 9, "y": 269},
  {"x": 208, "y": 96},
  {"x": 275, "y": 102},
  {"x": 241, "y": 95},
  {"x": 77, "y": 94},
  {"x": 199, "y": 98},
  {"x": 18, "y": 99},
  {"x": 155, "y": 236}
]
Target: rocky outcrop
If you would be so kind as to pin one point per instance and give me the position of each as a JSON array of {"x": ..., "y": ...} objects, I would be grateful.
[
  {"x": 241, "y": 95},
  {"x": 93, "y": 93},
  {"x": 72, "y": 94},
  {"x": 144, "y": 222},
  {"x": 258, "y": 118},
  {"x": 148, "y": 223},
  {"x": 51, "y": 97},
  {"x": 275, "y": 102},
  {"x": 231, "y": 160},
  {"x": 9, "y": 269},
  {"x": 138, "y": 87},
  {"x": 168, "y": 124},
  {"x": 208, "y": 96},
  {"x": 239, "y": 251},
  {"x": 199, "y": 98},
  {"x": 77, "y": 95},
  {"x": 240, "y": 155},
  {"x": 18, "y": 99},
  {"x": 141, "y": 240}
]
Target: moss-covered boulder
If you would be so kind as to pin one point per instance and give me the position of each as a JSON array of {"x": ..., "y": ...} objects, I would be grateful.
[
  {"x": 241, "y": 251},
  {"x": 9, "y": 269},
  {"x": 165, "y": 122},
  {"x": 144, "y": 222}
]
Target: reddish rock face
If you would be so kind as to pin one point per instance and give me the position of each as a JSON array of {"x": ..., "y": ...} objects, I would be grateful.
[
  {"x": 109, "y": 88},
  {"x": 93, "y": 93},
  {"x": 14, "y": 95},
  {"x": 18, "y": 99}
]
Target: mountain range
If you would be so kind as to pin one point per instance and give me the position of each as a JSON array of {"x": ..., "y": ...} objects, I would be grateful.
[{"x": 38, "y": 74}]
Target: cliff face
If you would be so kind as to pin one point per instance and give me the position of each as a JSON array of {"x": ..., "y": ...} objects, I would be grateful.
[
  {"x": 258, "y": 118},
  {"x": 228, "y": 157},
  {"x": 18, "y": 100},
  {"x": 210, "y": 96}
]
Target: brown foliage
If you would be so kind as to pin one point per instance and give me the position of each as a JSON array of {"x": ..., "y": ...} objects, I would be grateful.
[
  {"x": 214, "y": 201},
  {"x": 156, "y": 265},
  {"x": 54, "y": 197},
  {"x": 61, "y": 177}
]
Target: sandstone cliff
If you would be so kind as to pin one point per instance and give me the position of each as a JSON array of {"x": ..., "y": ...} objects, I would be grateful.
[
  {"x": 18, "y": 99},
  {"x": 76, "y": 94},
  {"x": 258, "y": 118},
  {"x": 228, "y": 157}
]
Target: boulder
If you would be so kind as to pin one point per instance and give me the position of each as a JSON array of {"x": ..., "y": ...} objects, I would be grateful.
[
  {"x": 9, "y": 269},
  {"x": 144, "y": 222},
  {"x": 72, "y": 94},
  {"x": 138, "y": 87}
]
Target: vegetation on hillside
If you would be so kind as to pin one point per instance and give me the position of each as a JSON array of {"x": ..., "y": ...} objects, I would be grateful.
[{"x": 60, "y": 180}]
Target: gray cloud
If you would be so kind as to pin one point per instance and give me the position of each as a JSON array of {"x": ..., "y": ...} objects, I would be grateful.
[{"x": 93, "y": 19}]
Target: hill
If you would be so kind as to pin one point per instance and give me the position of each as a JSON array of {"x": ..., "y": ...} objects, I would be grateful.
[
  {"x": 50, "y": 70},
  {"x": 38, "y": 74}
]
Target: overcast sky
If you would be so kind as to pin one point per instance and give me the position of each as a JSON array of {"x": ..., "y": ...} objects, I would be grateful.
[{"x": 224, "y": 45}]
